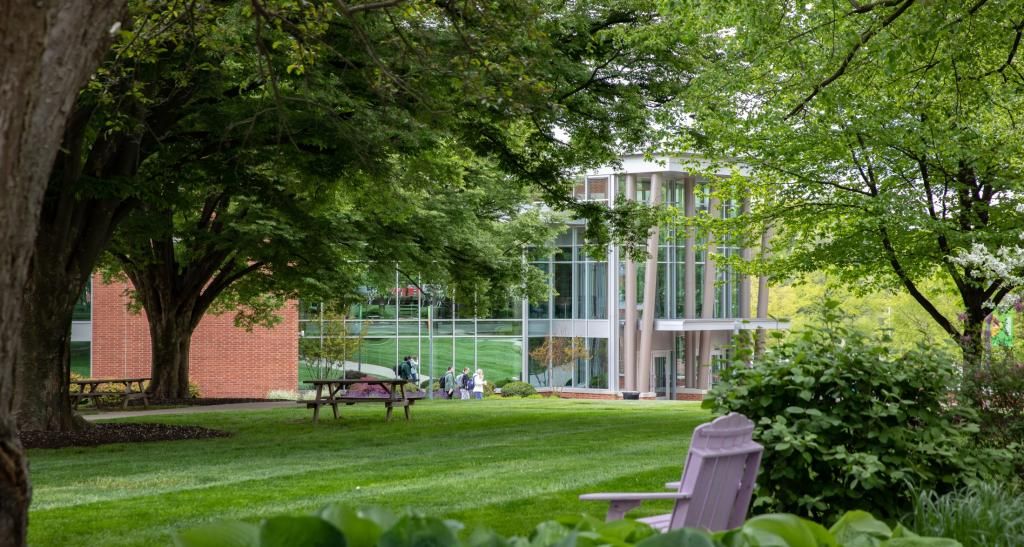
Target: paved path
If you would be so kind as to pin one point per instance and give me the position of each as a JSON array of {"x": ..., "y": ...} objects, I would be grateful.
[{"x": 192, "y": 410}]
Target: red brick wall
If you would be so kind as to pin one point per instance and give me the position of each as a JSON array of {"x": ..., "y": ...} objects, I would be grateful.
[{"x": 225, "y": 361}]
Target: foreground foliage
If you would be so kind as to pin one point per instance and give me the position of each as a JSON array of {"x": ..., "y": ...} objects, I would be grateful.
[
  {"x": 984, "y": 514},
  {"x": 336, "y": 525},
  {"x": 849, "y": 423}
]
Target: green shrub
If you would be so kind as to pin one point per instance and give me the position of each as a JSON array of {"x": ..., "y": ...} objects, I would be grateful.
[
  {"x": 337, "y": 525},
  {"x": 503, "y": 381},
  {"x": 847, "y": 423},
  {"x": 488, "y": 389},
  {"x": 193, "y": 391},
  {"x": 983, "y": 514},
  {"x": 996, "y": 390},
  {"x": 517, "y": 389}
]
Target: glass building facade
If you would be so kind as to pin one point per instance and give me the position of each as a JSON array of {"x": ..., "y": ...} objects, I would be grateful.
[{"x": 697, "y": 305}]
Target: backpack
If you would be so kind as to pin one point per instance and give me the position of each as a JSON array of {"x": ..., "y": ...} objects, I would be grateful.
[
  {"x": 403, "y": 370},
  {"x": 444, "y": 381},
  {"x": 470, "y": 384},
  {"x": 465, "y": 381}
]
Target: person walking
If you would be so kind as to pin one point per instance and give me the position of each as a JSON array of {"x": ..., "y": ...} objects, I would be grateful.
[
  {"x": 478, "y": 384},
  {"x": 464, "y": 384},
  {"x": 448, "y": 383}
]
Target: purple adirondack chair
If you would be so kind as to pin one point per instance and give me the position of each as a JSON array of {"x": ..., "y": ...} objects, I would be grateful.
[{"x": 718, "y": 480}]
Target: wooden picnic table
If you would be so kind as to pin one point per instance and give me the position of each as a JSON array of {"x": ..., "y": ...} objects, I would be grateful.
[
  {"x": 132, "y": 388},
  {"x": 337, "y": 393}
]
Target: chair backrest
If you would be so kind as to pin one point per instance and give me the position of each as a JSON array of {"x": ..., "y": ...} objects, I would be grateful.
[{"x": 718, "y": 475}]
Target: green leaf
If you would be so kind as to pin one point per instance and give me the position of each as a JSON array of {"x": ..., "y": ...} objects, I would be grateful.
[
  {"x": 784, "y": 530},
  {"x": 220, "y": 534},
  {"x": 860, "y": 529},
  {"x": 358, "y": 531},
  {"x": 299, "y": 532},
  {"x": 419, "y": 531},
  {"x": 685, "y": 537}
]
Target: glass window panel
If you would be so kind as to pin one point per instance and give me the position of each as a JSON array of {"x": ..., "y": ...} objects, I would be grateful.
[
  {"x": 597, "y": 307},
  {"x": 442, "y": 328},
  {"x": 499, "y": 328},
  {"x": 377, "y": 352},
  {"x": 536, "y": 370},
  {"x": 643, "y": 189},
  {"x": 598, "y": 188},
  {"x": 581, "y": 291},
  {"x": 81, "y": 358},
  {"x": 500, "y": 358},
  {"x": 538, "y": 327},
  {"x": 464, "y": 327},
  {"x": 409, "y": 328},
  {"x": 579, "y": 190},
  {"x": 563, "y": 289},
  {"x": 309, "y": 328},
  {"x": 408, "y": 302},
  {"x": 598, "y": 366}
]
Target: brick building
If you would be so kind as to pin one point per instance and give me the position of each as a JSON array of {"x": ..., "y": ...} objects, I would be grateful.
[{"x": 109, "y": 341}]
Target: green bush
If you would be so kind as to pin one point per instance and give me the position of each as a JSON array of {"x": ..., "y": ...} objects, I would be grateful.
[
  {"x": 983, "y": 514},
  {"x": 517, "y": 389},
  {"x": 488, "y": 389},
  {"x": 996, "y": 390},
  {"x": 848, "y": 423},
  {"x": 503, "y": 381},
  {"x": 337, "y": 525}
]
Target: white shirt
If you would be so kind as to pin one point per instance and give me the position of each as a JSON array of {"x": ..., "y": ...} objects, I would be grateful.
[{"x": 478, "y": 382}]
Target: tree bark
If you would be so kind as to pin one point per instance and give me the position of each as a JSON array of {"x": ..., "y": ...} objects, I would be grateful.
[
  {"x": 49, "y": 49},
  {"x": 171, "y": 338},
  {"x": 43, "y": 367}
]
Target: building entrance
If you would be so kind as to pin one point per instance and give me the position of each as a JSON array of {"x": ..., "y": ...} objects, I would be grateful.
[{"x": 661, "y": 374}]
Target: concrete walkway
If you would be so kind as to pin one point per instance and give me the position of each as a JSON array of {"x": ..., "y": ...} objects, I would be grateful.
[{"x": 233, "y": 407}]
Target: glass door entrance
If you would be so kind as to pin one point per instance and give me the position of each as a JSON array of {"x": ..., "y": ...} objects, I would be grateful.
[{"x": 661, "y": 376}]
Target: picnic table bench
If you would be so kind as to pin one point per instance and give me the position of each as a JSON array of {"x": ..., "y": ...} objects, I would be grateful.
[
  {"x": 132, "y": 389},
  {"x": 337, "y": 394}
]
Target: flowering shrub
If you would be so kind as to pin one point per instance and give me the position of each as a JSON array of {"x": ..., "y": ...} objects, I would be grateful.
[{"x": 848, "y": 423}]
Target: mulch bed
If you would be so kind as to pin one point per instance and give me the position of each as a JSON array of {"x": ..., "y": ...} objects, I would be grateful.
[{"x": 117, "y": 433}]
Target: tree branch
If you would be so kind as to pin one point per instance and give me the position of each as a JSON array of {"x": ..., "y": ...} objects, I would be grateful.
[{"x": 864, "y": 38}]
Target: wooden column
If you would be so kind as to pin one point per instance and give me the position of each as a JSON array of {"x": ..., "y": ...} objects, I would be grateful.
[
  {"x": 629, "y": 327},
  {"x": 746, "y": 254},
  {"x": 690, "y": 283},
  {"x": 708, "y": 299},
  {"x": 650, "y": 295},
  {"x": 762, "y": 295}
]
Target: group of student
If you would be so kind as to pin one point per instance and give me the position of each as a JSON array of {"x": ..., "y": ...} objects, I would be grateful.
[
  {"x": 408, "y": 369},
  {"x": 466, "y": 383}
]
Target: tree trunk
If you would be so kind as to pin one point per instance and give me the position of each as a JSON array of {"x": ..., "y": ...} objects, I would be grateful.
[
  {"x": 170, "y": 337},
  {"x": 49, "y": 50},
  {"x": 972, "y": 342},
  {"x": 43, "y": 367}
]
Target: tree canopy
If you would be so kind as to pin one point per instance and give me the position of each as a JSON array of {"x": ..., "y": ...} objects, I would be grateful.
[{"x": 884, "y": 133}]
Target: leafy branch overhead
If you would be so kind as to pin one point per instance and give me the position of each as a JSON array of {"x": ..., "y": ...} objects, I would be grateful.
[{"x": 884, "y": 135}]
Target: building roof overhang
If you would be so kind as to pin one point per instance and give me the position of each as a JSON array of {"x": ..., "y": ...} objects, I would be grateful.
[{"x": 735, "y": 325}]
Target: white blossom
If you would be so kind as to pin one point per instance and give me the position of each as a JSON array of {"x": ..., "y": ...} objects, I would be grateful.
[{"x": 1006, "y": 263}]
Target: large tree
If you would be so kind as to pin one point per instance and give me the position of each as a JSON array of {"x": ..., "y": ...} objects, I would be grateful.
[
  {"x": 193, "y": 81},
  {"x": 50, "y": 48},
  {"x": 885, "y": 134}
]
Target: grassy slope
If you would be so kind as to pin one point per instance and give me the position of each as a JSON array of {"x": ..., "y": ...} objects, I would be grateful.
[{"x": 500, "y": 463}]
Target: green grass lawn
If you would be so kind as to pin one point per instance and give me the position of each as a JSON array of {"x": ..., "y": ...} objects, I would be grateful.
[{"x": 504, "y": 464}]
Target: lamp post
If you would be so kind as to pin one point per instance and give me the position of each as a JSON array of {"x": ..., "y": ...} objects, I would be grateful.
[{"x": 430, "y": 335}]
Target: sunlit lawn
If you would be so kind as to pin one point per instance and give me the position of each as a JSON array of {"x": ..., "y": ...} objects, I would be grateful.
[{"x": 499, "y": 463}]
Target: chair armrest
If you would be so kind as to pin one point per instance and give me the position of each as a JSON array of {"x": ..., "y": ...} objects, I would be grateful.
[
  {"x": 620, "y": 503},
  {"x": 674, "y": 485},
  {"x": 634, "y": 496}
]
